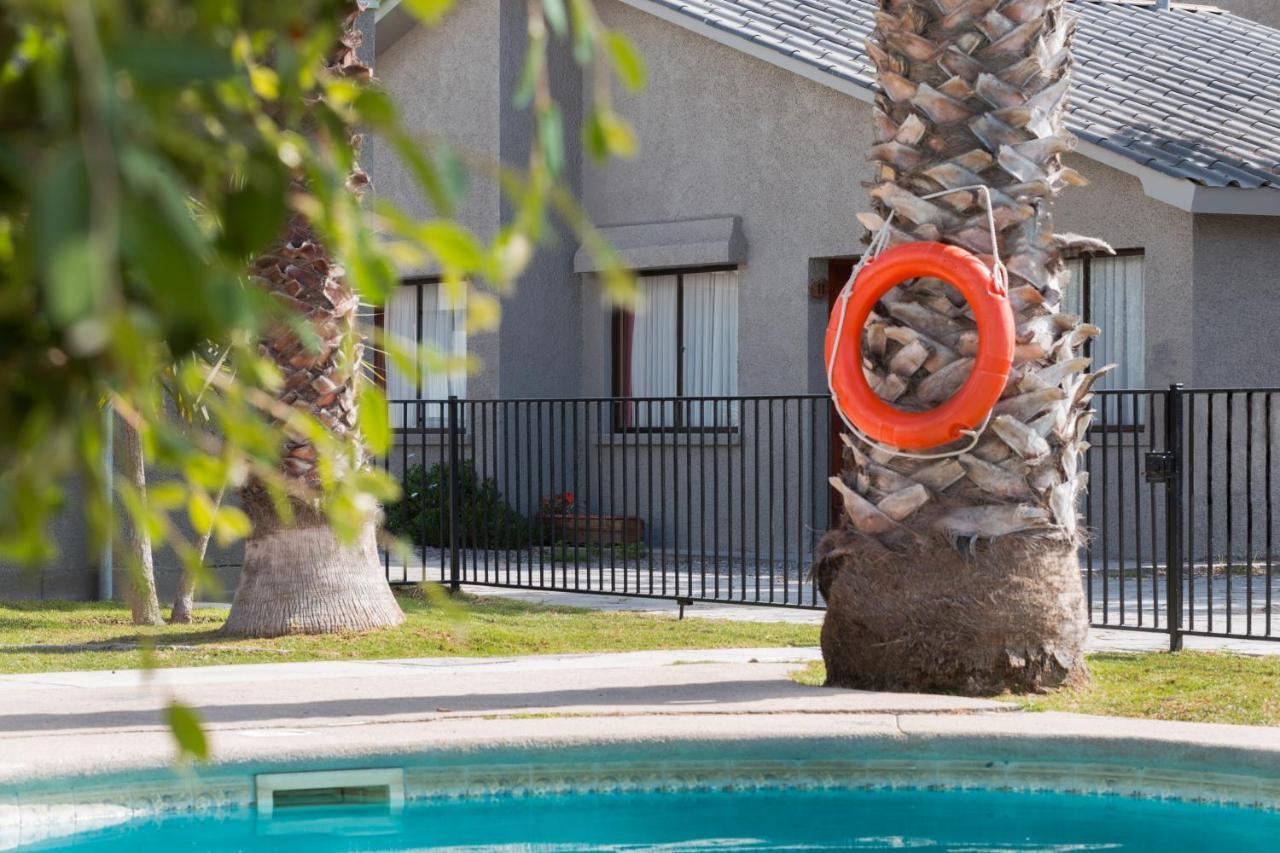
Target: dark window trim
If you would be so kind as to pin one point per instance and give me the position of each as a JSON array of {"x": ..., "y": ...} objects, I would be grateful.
[{"x": 619, "y": 383}]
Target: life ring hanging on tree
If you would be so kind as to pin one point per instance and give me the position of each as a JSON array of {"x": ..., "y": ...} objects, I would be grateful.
[{"x": 969, "y": 408}]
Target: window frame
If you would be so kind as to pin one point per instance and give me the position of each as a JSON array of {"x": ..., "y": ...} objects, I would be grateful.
[
  {"x": 418, "y": 282},
  {"x": 1086, "y": 259},
  {"x": 620, "y": 420}
]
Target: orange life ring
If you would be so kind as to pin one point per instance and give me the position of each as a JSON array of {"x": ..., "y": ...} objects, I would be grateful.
[{"x": 970, "y": 405}]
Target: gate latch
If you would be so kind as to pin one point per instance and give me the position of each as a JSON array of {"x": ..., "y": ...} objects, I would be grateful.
[{"x": 1161, "y": 466}]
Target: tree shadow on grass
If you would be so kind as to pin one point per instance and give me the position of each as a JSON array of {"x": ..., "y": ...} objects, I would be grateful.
[{"x": 127, "y": 643}]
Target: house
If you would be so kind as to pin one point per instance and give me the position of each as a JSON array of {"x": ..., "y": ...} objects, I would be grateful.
[
  {"x": 739, "y": 212},
  {"x": 752, "y": 134},
  {"x": 739, "y": 208}
]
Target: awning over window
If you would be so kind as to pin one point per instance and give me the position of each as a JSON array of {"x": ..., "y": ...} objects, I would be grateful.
[{"x": 665, "y": 245}]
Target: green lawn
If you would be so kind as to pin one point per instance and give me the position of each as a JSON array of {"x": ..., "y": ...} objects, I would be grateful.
[
  {"x": 1195, "y": 686},
  {"x": 57, "y": 636}
]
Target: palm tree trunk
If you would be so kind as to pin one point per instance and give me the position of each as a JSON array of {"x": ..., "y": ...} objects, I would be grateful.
[
  {"x": 298, "y": 578},
  {"x": 962, "y": 574},
  {"x": 301, "y": 579},
  {"x": 140, "y": 591}
]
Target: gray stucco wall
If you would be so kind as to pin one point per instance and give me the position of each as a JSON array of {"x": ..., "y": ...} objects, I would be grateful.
[
  {"x": 1235, "y": 309},
  {"x": 1263, "y": 11},
  {"x": 73, "y": 574},
  {"x": 721, "y": 133},
  {"x": 445, "y": 80},
  {"x": 541, "y": 316}
]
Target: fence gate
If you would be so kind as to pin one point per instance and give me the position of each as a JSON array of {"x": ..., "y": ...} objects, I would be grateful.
[{"x": 1179, "y": 506}]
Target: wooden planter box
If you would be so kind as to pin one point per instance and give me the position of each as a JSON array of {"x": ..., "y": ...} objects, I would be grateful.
[{"x": 597, "y": 529}]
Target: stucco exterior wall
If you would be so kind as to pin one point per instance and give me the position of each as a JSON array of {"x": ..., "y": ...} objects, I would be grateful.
[
  {"x": 446, "y": 83},
  {"x": 721, "y": 133},
  {"x": 1237, "y": 274},
  {"x": 1263, "y": 11},
  {"x": 540, "y": 319}
]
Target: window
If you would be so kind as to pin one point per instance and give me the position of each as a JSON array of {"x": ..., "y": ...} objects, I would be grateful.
[
  {"x": 1108, "y": 292},
  {"x": 683, "y": 343},
  {"x": 427, "y": 322}
]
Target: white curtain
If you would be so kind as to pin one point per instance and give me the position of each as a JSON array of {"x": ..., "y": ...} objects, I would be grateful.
[
  {"x": 1073, "y": 290},
  {"x": 441, "y": 327},
  {"x": 1117, "y": 305},
  {"x": 711, "y": 345},
  {"x": 652, "y": 354},
  {"x": 654, "y": 350},
  {"x": 1116, "y": 291},
  {"x": 400, "y": 323}
]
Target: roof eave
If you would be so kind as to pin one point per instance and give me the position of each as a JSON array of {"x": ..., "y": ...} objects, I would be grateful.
[{"x": 1185, "y": 194}]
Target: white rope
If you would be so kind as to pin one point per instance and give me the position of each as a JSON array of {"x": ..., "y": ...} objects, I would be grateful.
[{"x": 877, "y": 245}]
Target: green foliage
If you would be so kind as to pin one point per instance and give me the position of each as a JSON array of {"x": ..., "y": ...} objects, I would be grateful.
[
  {"x": 562, "y": 552},
  {"x": 185, "y": 724},
  {"x": 484, "y": 516},
  {"x": 148, "y": 152}
]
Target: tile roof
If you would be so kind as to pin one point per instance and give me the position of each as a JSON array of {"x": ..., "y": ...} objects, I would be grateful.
[{"x": 1192, "y": 91}]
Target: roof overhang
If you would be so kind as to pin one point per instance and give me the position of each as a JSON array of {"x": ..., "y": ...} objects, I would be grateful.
[
  {"x": 1187, "y": 195},
  {"x": 670, "y": 245},
  {"x": 392, "y": 23}
]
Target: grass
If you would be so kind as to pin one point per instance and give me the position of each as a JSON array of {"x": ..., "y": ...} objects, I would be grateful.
[
  {"x": 54, "y": 636},
  {"x": 1202, "y": 687}
]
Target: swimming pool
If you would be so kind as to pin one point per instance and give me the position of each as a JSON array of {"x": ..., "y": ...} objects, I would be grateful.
[
  {"x": 958, "y": 794},
  {"x": 762, "y": 819}
]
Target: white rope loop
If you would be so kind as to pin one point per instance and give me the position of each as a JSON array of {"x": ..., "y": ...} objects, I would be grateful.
[{"x": 879, "y": 242}]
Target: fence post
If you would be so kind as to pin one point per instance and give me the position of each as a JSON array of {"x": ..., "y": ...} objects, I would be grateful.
[
  {"x": 454, "y": 496},
  {"x": 1175, "y": 559}
]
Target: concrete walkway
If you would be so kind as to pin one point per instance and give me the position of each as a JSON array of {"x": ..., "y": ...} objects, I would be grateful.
[
  {"x": 87, "y": 722},
  {"x": 81, "y": 723}
]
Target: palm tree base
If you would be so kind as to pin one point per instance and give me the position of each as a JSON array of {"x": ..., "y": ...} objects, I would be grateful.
[
  {"x": 303, "y": 580},
  {"x": 1005, "y": 616}
]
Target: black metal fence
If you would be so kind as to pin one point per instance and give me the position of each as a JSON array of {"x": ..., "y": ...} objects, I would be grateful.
[
  {"x": 724, "y": 499},
  {"x": 694, "y": 499}
]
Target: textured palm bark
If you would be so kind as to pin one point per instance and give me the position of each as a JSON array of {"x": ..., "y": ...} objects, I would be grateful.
[
  {"x": 961, "y": 574},
  {"x": 299, "y": 578},
  {"x": 140, "y": 591}
]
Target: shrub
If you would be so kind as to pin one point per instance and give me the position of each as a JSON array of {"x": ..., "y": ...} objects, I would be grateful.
[{"x": 484, "y": 516}]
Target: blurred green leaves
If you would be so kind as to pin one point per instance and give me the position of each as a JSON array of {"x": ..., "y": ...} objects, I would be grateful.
[
  {"x": 148, "y": 153},
  {"x": 184, "y": 722}
]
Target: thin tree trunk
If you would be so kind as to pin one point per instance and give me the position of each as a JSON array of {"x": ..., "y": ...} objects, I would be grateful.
[
  {"x": 184, "y": 598},
  {"x": 140, "y": 591},
  {"x": 962, "y": 574}
]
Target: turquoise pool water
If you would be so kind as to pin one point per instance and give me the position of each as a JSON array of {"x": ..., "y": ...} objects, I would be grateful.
[{"x": 934, "y": 820}]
